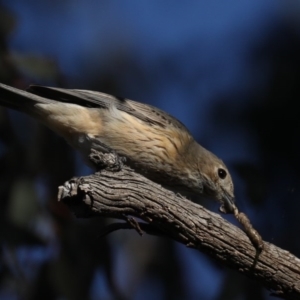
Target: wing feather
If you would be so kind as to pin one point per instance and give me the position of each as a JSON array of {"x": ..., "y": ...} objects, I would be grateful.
[{"x": 144, "y": 112}]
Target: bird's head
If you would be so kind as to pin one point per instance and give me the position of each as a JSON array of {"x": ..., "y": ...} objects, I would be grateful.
[
  {"x": 216, "y": 180},
  {"x": 220, "y": 186}
]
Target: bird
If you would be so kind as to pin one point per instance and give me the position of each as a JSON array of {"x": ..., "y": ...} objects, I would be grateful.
[{"x": 154, "y": 143}]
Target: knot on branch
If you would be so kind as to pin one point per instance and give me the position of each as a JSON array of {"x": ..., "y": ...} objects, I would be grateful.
[{"x": 110, "y": 161}]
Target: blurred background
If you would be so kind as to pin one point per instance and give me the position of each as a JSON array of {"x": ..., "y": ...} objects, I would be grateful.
[{"x": 230, "y": 71}]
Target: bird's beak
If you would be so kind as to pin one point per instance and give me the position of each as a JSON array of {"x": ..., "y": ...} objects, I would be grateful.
[{"x": 228, "y": 204}]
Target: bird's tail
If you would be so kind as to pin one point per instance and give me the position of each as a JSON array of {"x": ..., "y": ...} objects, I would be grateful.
[{"x": 20, "y": 100}]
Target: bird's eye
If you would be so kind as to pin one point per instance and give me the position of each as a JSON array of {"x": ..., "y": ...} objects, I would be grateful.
[{"x": 222, "y": 173}]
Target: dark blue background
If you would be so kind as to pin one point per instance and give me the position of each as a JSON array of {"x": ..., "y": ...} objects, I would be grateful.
[{"x": 228, "y": 70}]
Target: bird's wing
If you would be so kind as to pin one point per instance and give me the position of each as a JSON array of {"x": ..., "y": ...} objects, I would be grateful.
[{"x": 144, "y": 112}]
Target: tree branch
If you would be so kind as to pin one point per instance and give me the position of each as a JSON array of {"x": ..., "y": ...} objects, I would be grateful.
[{"x": 118, "y": 192}]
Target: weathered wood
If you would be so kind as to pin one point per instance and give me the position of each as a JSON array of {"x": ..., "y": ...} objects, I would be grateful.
[{"x": 119, "y": 192}]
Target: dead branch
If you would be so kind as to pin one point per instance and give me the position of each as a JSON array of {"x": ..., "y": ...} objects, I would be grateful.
[{"x": 117, "y": 191}]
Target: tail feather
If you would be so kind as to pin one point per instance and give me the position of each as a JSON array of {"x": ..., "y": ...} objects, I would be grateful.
[{"x": 20, "y": 100}]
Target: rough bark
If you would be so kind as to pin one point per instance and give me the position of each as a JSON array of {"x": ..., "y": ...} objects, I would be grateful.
[{"x": 117, "y": 191}]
